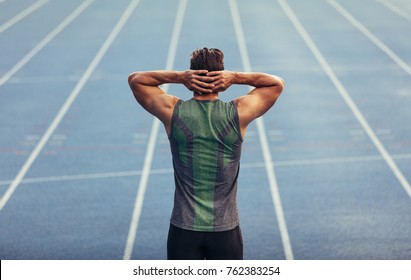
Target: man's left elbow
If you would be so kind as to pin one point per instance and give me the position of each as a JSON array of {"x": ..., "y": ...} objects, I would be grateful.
[{"x": 131, "y": 78}]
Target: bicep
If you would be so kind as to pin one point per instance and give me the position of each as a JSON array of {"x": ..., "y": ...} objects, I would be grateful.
[
  {"x": 155, "y": 101},
  {"x": 144, "y": 92},
  {"x": 256, "y": 103},
  {"x": 147, "y": 96}
]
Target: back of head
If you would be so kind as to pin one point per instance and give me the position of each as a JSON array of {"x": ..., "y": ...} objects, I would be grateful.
[{"x": 207, "y": 59}]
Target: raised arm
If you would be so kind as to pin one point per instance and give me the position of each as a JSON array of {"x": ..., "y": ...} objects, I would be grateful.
[
  {"x": 267, "y": 88},
  {"x": 147, "y": 91}
]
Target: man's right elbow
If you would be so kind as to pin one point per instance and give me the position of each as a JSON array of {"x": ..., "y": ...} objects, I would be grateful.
[
  {"x": 281, "y": 85},
  {"x": 132, "y": 77},
  {"x": 282, "y": 82}
]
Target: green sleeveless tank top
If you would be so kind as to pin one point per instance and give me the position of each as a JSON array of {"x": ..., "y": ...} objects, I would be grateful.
[{"x": 205, "y": 140}]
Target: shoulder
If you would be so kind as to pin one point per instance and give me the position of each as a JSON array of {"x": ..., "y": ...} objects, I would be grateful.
[
  {"x": 167, "y": 101},
  {"x": 164, "y": 110},
  {"x": 248, "y": 109},
  {"x": 243, "y": 103},
  {"x": 164, "y": 106}
]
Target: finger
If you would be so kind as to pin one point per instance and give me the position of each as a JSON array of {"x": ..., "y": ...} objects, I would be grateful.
[
  {"x": 214, "y": 73},
  {"x": 205, "y": 79},
  {"x": 200, "y": 72},
  {"x": 204, "y": 85},
  {"x": 218, "y": 82},
  {"x": 202, "y": 89},
  {"x": 220, "y": 87}
]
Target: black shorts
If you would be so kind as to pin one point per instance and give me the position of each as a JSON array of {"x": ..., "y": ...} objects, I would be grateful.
[{"x": 185, "y": 244}]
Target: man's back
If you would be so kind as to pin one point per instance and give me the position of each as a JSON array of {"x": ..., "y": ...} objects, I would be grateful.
[
  {"x": 205, "y": 137},
  {"x": 205, "y": 141}
]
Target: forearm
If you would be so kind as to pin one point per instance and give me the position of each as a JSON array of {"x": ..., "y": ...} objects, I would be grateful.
[
  {"x": 224, "y": 79},
  {"x": 194, "y": 80},
  {"x": 156, "y": 78},
  {"x": 256, "y": 79}
]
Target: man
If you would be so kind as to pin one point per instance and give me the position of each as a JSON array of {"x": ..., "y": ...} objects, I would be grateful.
[{"x": 205, "y": 136}]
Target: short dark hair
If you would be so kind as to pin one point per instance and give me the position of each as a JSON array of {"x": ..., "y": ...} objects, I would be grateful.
[{"x": 207, "y": 59}]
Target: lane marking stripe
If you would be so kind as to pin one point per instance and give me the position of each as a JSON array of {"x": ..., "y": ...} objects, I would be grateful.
[
  {"x": 371, "y": 36},
  {"x": 395, "y": 9},
  {"x": 138, "y": 205},
  {"x": 346, "y": 96},
  {"x": 263, "y": 139},
  {"x": 249, "y": 165},
  {"x": 22, "y": 15},
  {"x": 44, "y": 42},
  {"x": 66, "y": 106}
]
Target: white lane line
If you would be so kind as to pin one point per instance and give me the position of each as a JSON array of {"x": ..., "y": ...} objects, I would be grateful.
[
  {"x": 263, "y": 139},
  {"x": 249, "y": 165},
  {"x": 346, "y": 96},
  {"x": 44, "y": 42},
  {"x": 66, "y": 106},
  {"x": 128, "y": 250},
  {"x": 22, "y": 15},
  {"x": 370, "y": 36},
  {"x": 75, "y": 177},
  {"x": 395, "y": 9},
  {"x": 91, "y": 176}
]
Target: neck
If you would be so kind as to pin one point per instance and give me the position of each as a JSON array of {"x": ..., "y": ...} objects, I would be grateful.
[{"x": 210, "y": 96}]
